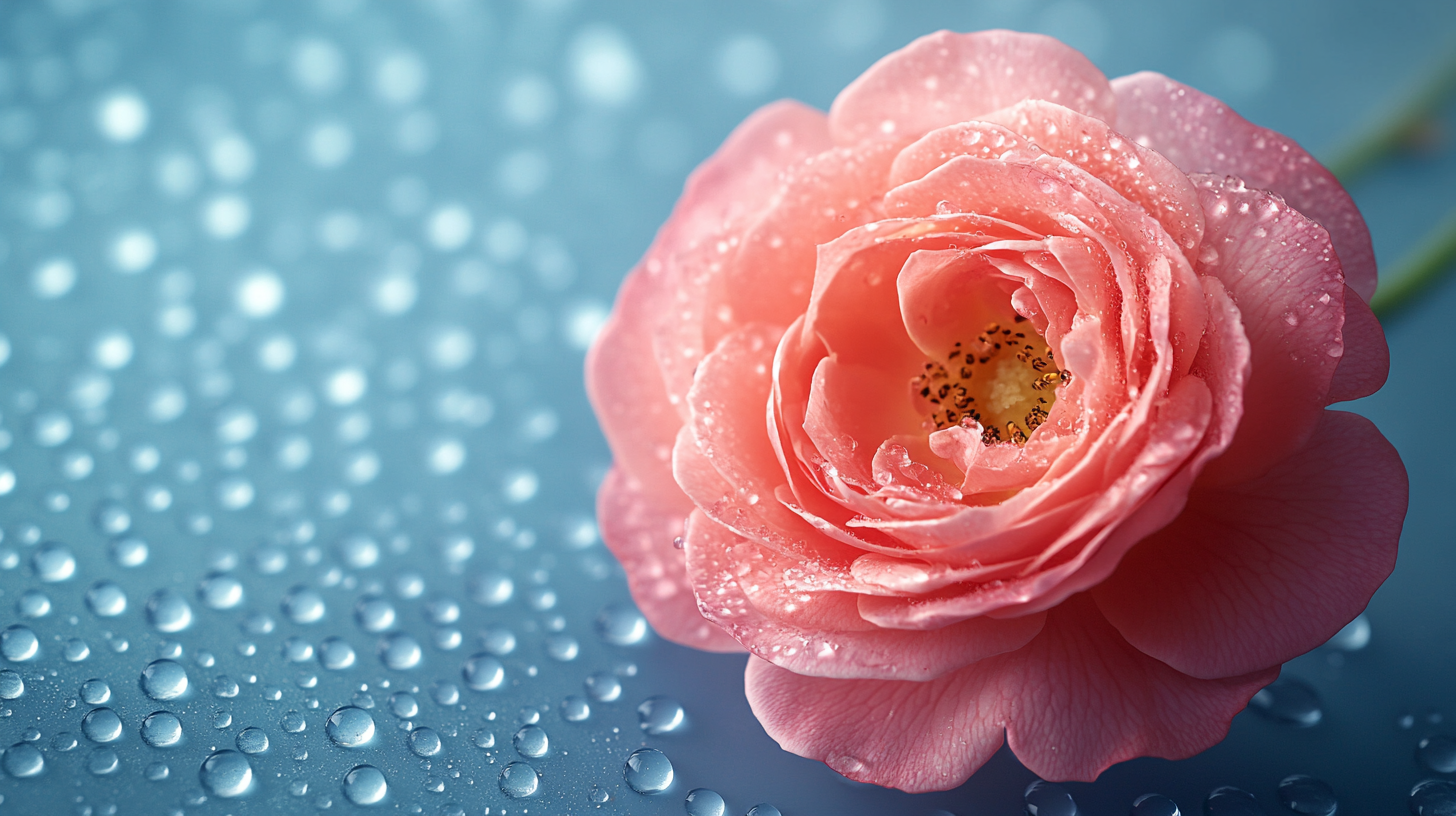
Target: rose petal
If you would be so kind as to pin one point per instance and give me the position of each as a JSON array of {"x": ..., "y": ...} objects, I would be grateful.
[
  {"x": 798, "y": 616},
  {"x": 1256, "y": 574},
  {"x": 638, "y": 526},
  {"x": 1202, "y": 135},
  {"x": 1074, "y": 701},
  {"x": 944, "y": 78},
  {"x": 1281, "y": 271},
  {"x": 1366, "y": 360}
]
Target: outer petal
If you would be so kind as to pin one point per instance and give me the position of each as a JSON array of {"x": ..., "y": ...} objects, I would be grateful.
[
  {"x": 1202, "y": 135},
  {"x": 1366, "y": 361},
  {"x": 1281, "y": 272},
  {"x": 944, "y": 78},
  {"x": 639, "y": 525},
  {"x": 1253, "y": 575},
  {"x": 1074, "y": 701}
]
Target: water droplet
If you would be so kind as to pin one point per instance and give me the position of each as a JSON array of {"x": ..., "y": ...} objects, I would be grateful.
[
  {"x": 1438, "y": 753},
  {"x": 335, "y": 654},
  {"x": 161, "y": 729},
  {"x": 483, "y": 738},
  {"x": 19, "y": 643},
  {"x": 648, "y": 770},
  {"x": 95, "y": 692},
  {"x": 374, "y": 613},
  {"x": 1289, "y": 701},
  {"x": 763, "y": 809},
  {"x": 157, "y": 771},
  {"x": 106, "y": 599},
  {"x": 74, "y": 650},
  {"x": 292, "y": 722},
  {"x": 365, "y": 785},
  {"x": 33, "y": 604},
  {"x": 103, "y": 761},
  {"x": 1154, "y": 804},
  {"x": 399, "y": 651},
  {"x": 252, "y": 740},
  {"x": 575, "y": 708},
  {"x": 164, "y": 680},
  {"x": 491, "y": 588},
  {"x": 1353, "y": 637},
  {"x": 404, "y": 705},
  {"x": 519, "y": 780},
  {"x": 562, "y": 648},
  {"x": 704, "y": 802},
  {"x": 445, "y": 694},
  {"x": 129, "y": 552},
  {"x": 1430, "y": 797},
  {"x": 12, "y": 685},
  {"x": 531, "y": 742},
  {"x": 1307, "y": 795},
  {"x": 53, "y": 562},
  {"x": 168, "y": 611},
  {"x": 22, "y": 760},
  {"x": 110, "y": 518},
  {"x": 350, "y": 727},
  {"x": 226, "y": 774},
  {"x": 620, "y": 624},
  {"x": 1048, "y": 799},
  {"x": 660, "y": 715},
  {"x": 498, "y": 640},
  {"x": 424, "y": 742},
  {"x": 604, "y": 687},
  {"x": 1230, "y": 801},
  {"x": 483, "y": 672},
  {"x": 220, "y": 591}
]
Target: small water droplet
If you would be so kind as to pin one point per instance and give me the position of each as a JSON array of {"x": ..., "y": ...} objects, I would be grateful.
[
  {"x": 424, "y": 742},
  {"x": 293, "y": 722},
  {"x": 1353, "y": 637},
  {"x": 648, "y": 770},
  {"x": 23, "y": 760},
  {"x": 660, "y": 715},
  {"x": 764, "y": 809},
  {"x": 604, "y": 687},
  {"x": 95, "y": 691},
  {"x": 226, "y": 774},
  {"x": 620, "y": 624},
  {"x": 252, "y": 740},
  {"x": 161, "y": 729},
  {"x": 1307, "y": 795},
  {"x": 404, "y": 705},
  {"x": 335, "y": 654},
  {"x": 482, "y": 672},
  {"x": 53, "y": 562},
  {"x": 157, "y": 771},
  {"x": 483, "y": 738},
  {"x": 1048, "y": 799},
  {"x": 1430, "y": 797},
  {"x": 103, "y": 761},
  {"x": 399, "y": 651},
  {"x": 1289, "y": 701},
  {"x": 168, "y": 611},
  {"x": 106, "y": 599},
  {"x": 1438, "y": 753},
  {"x": 12, "y": 685},
  {"x": 1230, "y": 801},
  {"x": 704, "y": 802},
  {"x": 303, "y": 605},
  {"x": 164, "y": 680},
  {"x": 19, "y": 643},
  {"x": 33, "y": 604},
  {"x": 531, "y": 742},
  {"x": 1154, "y": 804},
  {"x": 575, "y": 708},
  {"x": 491, "y": 588},
  {"x": 220, "y": 591},
  {"x": 519, "y": 780}
]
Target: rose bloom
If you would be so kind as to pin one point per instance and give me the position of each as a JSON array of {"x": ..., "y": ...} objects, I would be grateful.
[{"x": 992, "y": 406}]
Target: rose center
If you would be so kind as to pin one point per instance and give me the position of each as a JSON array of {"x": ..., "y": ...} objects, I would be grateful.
[{"x": 1005, "y": 379}]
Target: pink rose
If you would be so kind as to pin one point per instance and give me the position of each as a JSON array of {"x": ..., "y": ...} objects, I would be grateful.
[{"x": 993, "y": 404}]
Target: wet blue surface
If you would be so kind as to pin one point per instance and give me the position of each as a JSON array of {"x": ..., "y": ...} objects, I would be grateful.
[{"x": 295, "y": 298}]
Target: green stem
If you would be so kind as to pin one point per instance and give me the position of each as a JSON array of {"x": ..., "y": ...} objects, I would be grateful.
[
  {"x": 1392, "y": 132},
  {"x": 1423, "y": 266}
]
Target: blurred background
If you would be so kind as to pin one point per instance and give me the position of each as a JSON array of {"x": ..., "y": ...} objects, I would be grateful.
[{"x": 296, "y": 470}]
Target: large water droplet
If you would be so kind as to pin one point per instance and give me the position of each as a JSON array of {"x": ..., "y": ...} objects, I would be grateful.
[
  {"x": 1307, "y": 795},
  {"x": 129, "y": 552},
  {"x": 53, "y": 562},
  {"x": 303, "y": 605},
  {"x": 95, "y": 692},
  {"x": 660, "y": 715},
  {"x": 1289, "y": 701},
  {"x": 252, "y": 741},
  {"x": 575, "y": 708},
  {"x": 1438, "y": 753},
  {"x": 374, "y": 613},
  {"x": 226, "y": 774},
  {"x": 335, "y": 654},
  {"x": 399, "y": 651},
  {"x": 365, "y": 785},
  {"x": 620, "y": 624},
  {"x": 704, "y": 802},
  {"x": 648, "y": 770},
  {"x": 350, "y": 727},
  {"x": 12, "y": 685},
  {"x": 483, "y": 672},
  {"x": 106, "y": 599},
  {"x": 164, "y": 680},
  {"x": 101, "y": 725},
  {"x": 1154, "y": 804},
  {"x": 161, "y": 729},
  {"x": 33, "y": 604},
  {"x": 22, "y": 760},
  {"x": 18, "y": 643},
  {"x": 604, "y": 687},
  {"x": 531, "y": 742},
  {"x": 1048, "y": 799},
  {"x": 519, "y": 780},
  {"x": 168, "y": 611},
  {"x": 1430, "y": 797},
  {"x": 1230, "y": 801},
  {"x": 292, "y": 722},
  {"x": 424, "y": 742},
  {"x": 220, "y": 591}
]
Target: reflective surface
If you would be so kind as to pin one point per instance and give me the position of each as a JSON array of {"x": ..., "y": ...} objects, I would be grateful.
[{"x": 296, "y": 471}]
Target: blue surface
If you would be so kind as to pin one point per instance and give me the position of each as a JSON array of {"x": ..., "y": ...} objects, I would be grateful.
[{"x": 356, "y": 249}]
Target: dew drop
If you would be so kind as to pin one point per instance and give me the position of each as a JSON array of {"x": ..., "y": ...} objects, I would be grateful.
[
  {"x": 23, "y": 760},
  {"x": 483, "y": 738},
  {"x": 764, "y": 809},
  {"x": 53, "y": 562},
  {"x": 531, "y": 742},
  {"x": 482, "y": 672},
  {"x": 648, "y": 770},
  {"x": 335, "y": 654},
  {"x": 604, "y": 687},
  {"x": 106, "y": 599},
  {"x": 620, "y": 624},
  {"x": 12, "y": 685},
  {"x": 220, "y": 591},
  {"x": 1438, "y": 753},
  {"x": 365, "y": 785},
  {"x": 164, "y": 680},
  {"x": 33, "y": 604},
  {"x": 1307, "y": 795},
  {"x": 374, "y": 613},
  {"x": 424, "y": 742},
  {"x": 168, "y": 611},
  {"x": 1353, "y": 637},
  {"x": 575, "y": 708},
  {"x": 350, "y": 727},
  {"x": 161, "y": 729},
  {"x": 1154, "y": 804},
  {"x": 519, "y": 780},
  {"x": 1230, "y": 801},
  {"x": 1289, "y": 701},
  {"x": 491, "y": 588},
  {"x": 1430, "y": 797},
  {"x": 1048, "y": 799},
  {"x": 293, "y": 722},
  {"x": 157, "y": 771},
  {"x": 226, "y": 774},
  {"x": 95, "y": 691},
  {"x": 404, "y": 705},
  {"x": 704, "y": 802},
  {"x": 660, "y": 715},
  {"x": 19, "y": 643},
  {"x": 103, "y": 761},
  {"x": 399, "y": 651},
  {"x": 252, "y": 740}
]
